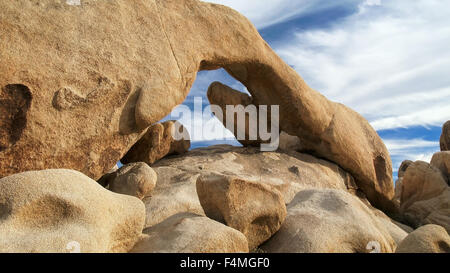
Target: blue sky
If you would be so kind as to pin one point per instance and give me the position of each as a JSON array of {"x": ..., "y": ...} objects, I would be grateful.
[{"x": 387, "y": 59}]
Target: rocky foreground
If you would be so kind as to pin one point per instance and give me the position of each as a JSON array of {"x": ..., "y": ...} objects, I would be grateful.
[
  {"x": 74, "y": 103},
  {"x": 224, "y": 199}
]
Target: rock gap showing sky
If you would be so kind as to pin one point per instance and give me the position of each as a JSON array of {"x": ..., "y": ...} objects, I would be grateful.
[{"x": 388, "y": 60}]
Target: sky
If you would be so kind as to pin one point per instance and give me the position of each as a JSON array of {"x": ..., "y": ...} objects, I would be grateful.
[{"x": 387, "y": 59}]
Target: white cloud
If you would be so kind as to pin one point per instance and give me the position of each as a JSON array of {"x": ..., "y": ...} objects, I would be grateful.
[
  {"x": 390, "y": 62},
  {"x": 264, "y": 13},
  {"x": 399, "y": 146},
  {"x": 372, "y": 2},
  {"x": 410, "y": 149}
]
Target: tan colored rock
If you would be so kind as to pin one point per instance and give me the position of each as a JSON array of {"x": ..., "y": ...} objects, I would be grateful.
[
  {"x": 135, "y": 179},
  {"x": 289, "y": 173},
  {"x": 435, "y": 210},
  {"x": 61, "y": 210},
  {"x": 247, "y": 132},
  {"x": 426, "y": 239},
  {"x": 399, "y": 183},
  {"x": 445, "y": 137},
  {"x": 92, "y": 100},
  {"x": 157, "y": 143},
  {"x": 398, "y": 190},
  {"x": 224, "y": 96},
  {"x": 425, "y": 197},
  {"x": 107, "y": 177},
  {"x": 333, "y": 136},
  {"x": 190, "y": 233},
  {"x": 421, "y": 182},
  {"x": 403, "y": 167},
  {"x": 253, "y": 208},
  {"x": 442, "y": 162},
  {"x": 333, "y": 221},
  {"x": 290, "y": 143}
]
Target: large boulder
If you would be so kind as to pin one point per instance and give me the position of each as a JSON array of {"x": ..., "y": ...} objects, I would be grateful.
[
  {"x": 442, "y": 162},
  {"x": 92, "y": 100},
  {"x": 160, "y": 140},
  {"x": 403, "y": 167},
  {"x": 255, "y": 209},
  {"x": 425, "y": 197},
  {"x": 333, "y": 221},
  {"x": 289, "y": 173},
  {"x": 190, "y": 233},
  {"x": 426, "y": 239},
  {"x": 421, "y": 182},
  {"x": 62, "y": 210},
  {"x": 445, "y": 137},
  {"x": 435, "y": 210},
  {"x": 135, "y": 179}
]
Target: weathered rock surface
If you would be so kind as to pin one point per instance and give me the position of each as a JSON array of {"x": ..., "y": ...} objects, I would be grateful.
[
  {"x": 255, "y": 209},
  {"x": 403, "y": 167},
  {"x": 425, "y": 197},
  {"x": 421, "y": 182},
  {"x": 135, "y": 179},
  {"x": 445, "y": 137},
  {"x": 374, "y": 176},
  {"x": 105, "y": 94},
  {"x": 245, "y": 132},
  {"x": 426, "y": 239},
  {"x": 399, "y": 183},
  {"x": 435, "y": 210},
  {"x": 442, "y": 162},
  {"x": 289, "y": 173},
  {"x": 224, "y": 96},
  {"x": 159, "y": 141},
  {"x": 333, "y": 221},
  {"x": 54, "y": 210},
  {"x": 107, "y": 177},
  {"x": 190, "y": 233}
]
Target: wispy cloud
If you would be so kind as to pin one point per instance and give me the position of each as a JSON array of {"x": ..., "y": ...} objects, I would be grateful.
[
  {"x": 410, "y": 149},
  {"x": 264, "y": 13},
  {"x": 389, "y": 61}
]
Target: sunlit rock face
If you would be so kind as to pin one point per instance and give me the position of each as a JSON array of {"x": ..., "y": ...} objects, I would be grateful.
[{"x": 85, "y": 87}]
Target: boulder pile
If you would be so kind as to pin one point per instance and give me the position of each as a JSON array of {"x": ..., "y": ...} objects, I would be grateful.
[{"x": 71, "y": 110}]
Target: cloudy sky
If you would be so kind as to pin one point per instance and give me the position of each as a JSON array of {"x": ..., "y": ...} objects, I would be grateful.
[{"x": 387, "y": 59}]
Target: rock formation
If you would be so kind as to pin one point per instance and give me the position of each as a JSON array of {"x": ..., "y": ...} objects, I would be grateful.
[
  {"x": 190, "y": 233},
  {"x": 426, "y": 239},
  {"x": 445, "y": 137},
  {"x": 425, "y": 196},
  {"x": 226, "y": 200},
  {"x": 136, "y": 179},
  {"x": 63, "y": 210},
  {"x": 289, "y": 173},
  {"x": 441, "y": 161},
  {"x": 374, "y": 183},
  {"x": 106, "y": 90},
  {"x": 84, "y": 86},
  {"x": 333, "y": 221},
  {"x": 158, "y": 142}
]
